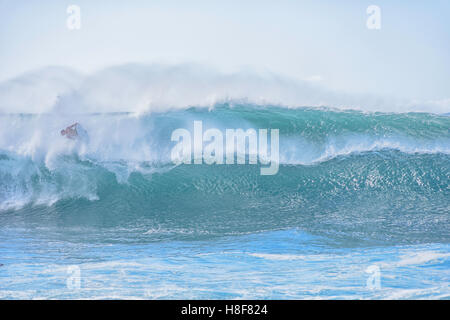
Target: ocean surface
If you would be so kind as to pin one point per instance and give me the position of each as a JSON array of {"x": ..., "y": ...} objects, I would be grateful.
[{"x": 359, "y": 209}]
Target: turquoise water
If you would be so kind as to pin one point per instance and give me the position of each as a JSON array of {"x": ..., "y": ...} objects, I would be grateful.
[{"x": 354, "y": 191}]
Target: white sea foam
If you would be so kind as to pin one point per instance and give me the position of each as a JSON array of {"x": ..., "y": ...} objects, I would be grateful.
[{"x": 421, "y": 258}]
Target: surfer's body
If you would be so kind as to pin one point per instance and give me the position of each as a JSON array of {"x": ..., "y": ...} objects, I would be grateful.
[{"x": 74, "y": 132}]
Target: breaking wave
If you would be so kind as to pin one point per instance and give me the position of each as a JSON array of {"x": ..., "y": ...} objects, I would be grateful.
[{"x": 365, "y": 176}]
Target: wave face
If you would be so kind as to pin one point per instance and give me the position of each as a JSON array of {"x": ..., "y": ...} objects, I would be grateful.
[{"x": 353, "y": 176}]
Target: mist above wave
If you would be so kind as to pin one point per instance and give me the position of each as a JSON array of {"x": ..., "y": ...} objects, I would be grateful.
[{"x": 145, "y": 88}]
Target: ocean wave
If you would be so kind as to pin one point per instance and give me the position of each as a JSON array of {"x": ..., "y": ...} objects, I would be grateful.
[
  {"x": 353, "y": 175},
  {"x": 320, "y": 133},
  {"x": 37, "y": 165}
]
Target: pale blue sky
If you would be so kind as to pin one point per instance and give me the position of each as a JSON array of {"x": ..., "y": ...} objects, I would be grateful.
[{"x": 323, "y": 40}]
